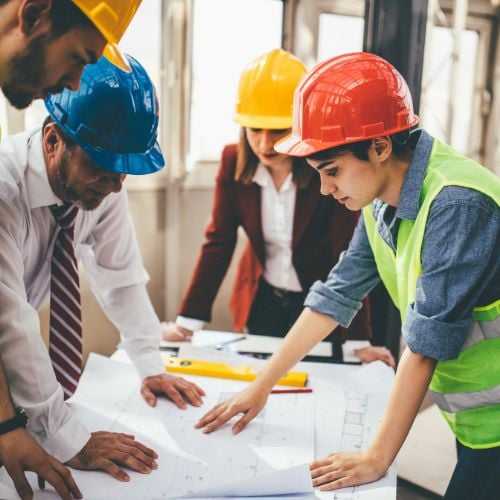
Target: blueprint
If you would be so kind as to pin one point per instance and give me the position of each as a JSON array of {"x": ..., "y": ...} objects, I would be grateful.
[
  {"x": 269, "y": 458},
  {"x": 278, "y": 443},
  {"x": 366, "y": 392}
]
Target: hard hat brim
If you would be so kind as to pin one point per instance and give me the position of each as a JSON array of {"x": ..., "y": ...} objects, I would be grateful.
[
  {"x": 294, "y": 145},
  {"x": 263, "y": 122},
  {"x": 113, "y": 54},
  {"x": 149, "y": 162}
]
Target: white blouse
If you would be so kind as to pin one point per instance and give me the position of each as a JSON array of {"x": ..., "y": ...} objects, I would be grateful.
[{"x": 277, "y": 211}]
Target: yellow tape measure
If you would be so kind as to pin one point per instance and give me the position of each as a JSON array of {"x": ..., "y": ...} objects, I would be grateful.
[{"x": 221, "y": 370}]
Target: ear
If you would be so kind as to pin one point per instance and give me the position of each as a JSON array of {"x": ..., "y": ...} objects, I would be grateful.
[
  {"x": 33, "y": 16},
  {"x": 382, "y": 147},
  {"x": 51, "y": 140}
]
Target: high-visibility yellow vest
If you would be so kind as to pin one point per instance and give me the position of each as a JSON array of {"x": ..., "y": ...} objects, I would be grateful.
[{"x": 466, "y": 389}]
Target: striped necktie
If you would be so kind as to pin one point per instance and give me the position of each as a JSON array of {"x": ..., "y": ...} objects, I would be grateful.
[{"x": 65, "y": 339}]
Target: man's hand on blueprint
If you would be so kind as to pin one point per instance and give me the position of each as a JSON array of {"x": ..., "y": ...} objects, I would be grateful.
[
  {"x": 340, "y": 470},
  {"x": 107, "y": 450},
  {"x": 177, "y": 389},
  {"x": 249, "y": 401},
  {"x": 374, "y": 353}
]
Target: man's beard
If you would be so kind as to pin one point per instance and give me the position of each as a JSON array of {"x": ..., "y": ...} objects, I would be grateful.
[
  {"x": 27, "y": 70},
  {"x": 68, "y": 193}
]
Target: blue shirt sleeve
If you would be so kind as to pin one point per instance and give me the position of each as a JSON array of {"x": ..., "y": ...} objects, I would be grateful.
[
  {"x": 354, "y": 275},
  {"x": 460, "y": 267}
]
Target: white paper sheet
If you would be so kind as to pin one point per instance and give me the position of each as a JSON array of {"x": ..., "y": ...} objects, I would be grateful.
[
  {"x": 344, "y": 396},
  {"x": 6, "y": 493},
  {"x": 265, "y": 344},
  {"x": 207, "y": 338},
  {"x": 238, "y": 342},
  {"x": 366, "y": 393},
  {"x": 192, "y": 352},
  {"x": 288, "y": 481},
  {"x": 190, "y": 462}
]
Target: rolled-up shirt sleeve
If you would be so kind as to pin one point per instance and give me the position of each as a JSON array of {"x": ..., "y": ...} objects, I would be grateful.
[
  {"x": 348, "y": 283},
  {"x": 460, "y": 270},
  {"x": 433, "y": 338},
  {"x": 113, "y": 263}
]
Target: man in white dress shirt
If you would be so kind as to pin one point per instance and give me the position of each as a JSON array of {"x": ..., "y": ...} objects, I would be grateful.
[
  {"x": 44, "y": 46},
  {"x": 81, "y": 155}
]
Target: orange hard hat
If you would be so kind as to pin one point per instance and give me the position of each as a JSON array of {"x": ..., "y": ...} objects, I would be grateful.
[{"x": 345, "y": 99}]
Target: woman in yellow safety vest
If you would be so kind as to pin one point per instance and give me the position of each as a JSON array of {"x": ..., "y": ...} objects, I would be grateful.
[{"x": 430, "y": 231}]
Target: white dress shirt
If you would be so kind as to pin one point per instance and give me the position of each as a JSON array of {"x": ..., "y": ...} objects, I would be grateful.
[
  {"x": 105, "y": 243},
  {"x": 277, "y": 213}
]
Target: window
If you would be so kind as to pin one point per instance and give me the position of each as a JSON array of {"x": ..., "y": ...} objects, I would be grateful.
[
  {"x": 146, "y": 49},
  {"x": 339, "y": 34},
  {"x": 220, "y": 50},
  {"x": 436, "y": 87}
]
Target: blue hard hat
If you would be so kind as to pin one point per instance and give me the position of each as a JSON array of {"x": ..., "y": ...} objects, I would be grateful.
[{"x": 113, "y": 117}]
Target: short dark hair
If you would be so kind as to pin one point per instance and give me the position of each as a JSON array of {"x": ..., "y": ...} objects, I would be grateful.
[
  {"x": 247, "y": 162},
  {"x": 68, "y": 141},
  {"x": 400, "y": 147},
  {"x": 65, "y": 16}
]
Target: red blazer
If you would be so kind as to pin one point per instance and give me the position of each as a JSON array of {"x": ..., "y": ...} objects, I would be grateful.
[{"x": 322, "y": 229}]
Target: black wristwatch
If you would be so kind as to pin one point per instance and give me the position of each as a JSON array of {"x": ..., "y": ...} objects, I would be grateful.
[{"x": 20, "y": 420}]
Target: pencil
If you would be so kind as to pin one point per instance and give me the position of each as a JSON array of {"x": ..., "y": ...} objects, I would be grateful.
[{"x": 291, "y": 391}]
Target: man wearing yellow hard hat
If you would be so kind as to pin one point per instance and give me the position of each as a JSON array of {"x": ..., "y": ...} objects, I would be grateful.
[
  {"x": 44, "y": 47},
  {"x": 45, "y": 44}
]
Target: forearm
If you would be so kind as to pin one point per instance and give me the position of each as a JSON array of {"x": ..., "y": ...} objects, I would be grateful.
[
  {"x": 131, "y": 311},
  {"x": 412, "y": 379},
  {"x": 309, "y": 329},
  {"x": 6, "y": 406}
]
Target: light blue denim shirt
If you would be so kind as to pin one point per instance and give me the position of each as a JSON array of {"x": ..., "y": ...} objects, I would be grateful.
[{"x": 460, "y": 263}]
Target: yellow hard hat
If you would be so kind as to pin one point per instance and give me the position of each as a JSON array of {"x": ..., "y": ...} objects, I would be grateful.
[
  {"x": 266, "y": 88},
  {"x": 111, "y": 18}
]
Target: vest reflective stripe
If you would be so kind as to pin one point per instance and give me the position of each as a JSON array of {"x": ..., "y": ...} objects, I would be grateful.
[
  {"x": 466, "y": 388},
  {"x": 457, "y": 401},
  {"x": 482, "y": 330}
]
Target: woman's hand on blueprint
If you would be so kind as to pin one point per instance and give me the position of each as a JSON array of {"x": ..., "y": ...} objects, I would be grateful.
[
  {"x": 249, "y": 402},
  {"x": 343, "y": 469},
  {"x": 375, "y": 353},
  {"x": 177, "y": 389},
  {"x": 174, "y": 333}
]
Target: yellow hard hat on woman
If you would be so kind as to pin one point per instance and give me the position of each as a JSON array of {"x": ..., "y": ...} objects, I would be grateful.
[
  {"x": 111, "y": 18},
  {"x": 266, "y": 88}
]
